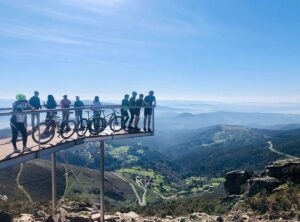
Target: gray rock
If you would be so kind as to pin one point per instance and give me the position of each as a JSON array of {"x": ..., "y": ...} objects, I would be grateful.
[
  {"x": 202, "y": 217},
  {"x": 284, "y": 170},
  {"x": 235, "y": 180},
  {"x": 25, "y": 218},
  {"x": 262, "y": 185}
]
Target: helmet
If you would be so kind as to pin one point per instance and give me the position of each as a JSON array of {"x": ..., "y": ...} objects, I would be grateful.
[
  {"x": 134, "y": 93},
  {"x": 20, "y": 97}
]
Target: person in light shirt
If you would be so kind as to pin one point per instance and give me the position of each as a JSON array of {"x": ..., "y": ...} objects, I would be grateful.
[{"x": 18, "y": 121}]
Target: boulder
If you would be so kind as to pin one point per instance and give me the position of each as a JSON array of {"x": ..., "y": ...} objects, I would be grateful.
[
  {"x": 284, "y": 170},
  {"x": 111, "y": 218},
  {"x": 108, "y": 218},
  {"x": 202, "y": 217},
  {"x": 78, "y": 217},
  {"x": 262, "y": 185},
  {"x": 234, "y": 181},
  {"x": 131, "y": 216},
  {"x": 25, "y": 218}
]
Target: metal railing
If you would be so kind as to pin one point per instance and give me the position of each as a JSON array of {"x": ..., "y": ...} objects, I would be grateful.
[{"x": 58, "y": 126}]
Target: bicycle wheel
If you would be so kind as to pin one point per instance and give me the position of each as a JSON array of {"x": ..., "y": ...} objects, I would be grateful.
[
  {"x": 97, "y": 125},
  {"x": 82, "y": 127},
  {"x": 116, "y": 124},
  {"x": 67, "y": 129},
  {"x": 43, "y": 133}
]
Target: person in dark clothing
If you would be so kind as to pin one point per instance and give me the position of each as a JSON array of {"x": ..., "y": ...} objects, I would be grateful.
[
  {"x": 18, "y": 121},
  {"x": 78, "y": 112},
  {"x": 65, "y": 103},
  {"x": 124, "y": 110},
  {"x": 36, "y": 103},
  {"x": 50, "y": 104},
  {"x": 150, "y": 101},
  {"x": 139, "y": 103},
  {"x": 132, "y": 108}
]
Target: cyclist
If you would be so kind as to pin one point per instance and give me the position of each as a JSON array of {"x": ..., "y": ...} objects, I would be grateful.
[
  {"x": 18, "y": 121},
  {"x": 132, "y": 109},
  {"x": 150, "y": 101},
  {"x": 139, "y": 103},
  {"x": 96, "y": 105},
  {"x": 36, "y": 103},
  {"x": 96, "y": 108},
  {"x": 78, "y": 112},
  {"x": 50, "y": 104},
  {"x": 124, "y": 110},
  {"x": 65, "y": 103}
]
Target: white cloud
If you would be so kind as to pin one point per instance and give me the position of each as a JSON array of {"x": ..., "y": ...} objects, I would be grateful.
[
  {"x": 39, "y": 34},
  {"x": 98, "y": 6}
]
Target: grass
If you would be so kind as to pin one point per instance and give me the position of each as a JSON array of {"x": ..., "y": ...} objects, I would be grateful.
[
  {"x": 199, "y": 184},
  {"x": 159, "y": 182},
  {"x": 282, "y": 204},
  {"x": 120, "y": 150}
]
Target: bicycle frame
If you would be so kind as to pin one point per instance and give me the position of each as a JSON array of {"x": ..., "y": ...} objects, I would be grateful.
[{"x": 111, "y": 116}]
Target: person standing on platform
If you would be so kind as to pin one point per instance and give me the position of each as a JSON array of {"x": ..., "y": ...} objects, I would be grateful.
[
  {"x": 36, "y": 103},
  {"x": 132, "y": 109},
  {"x": 65, "y": 103},
  {"x": 78, "y": 112},
  {"x": 18, "y": 121},
  {"x": 50, "y": 104},
  {"x": 139, "y": 103},
  {"x": 96, "y": 105},
  {"x": 150, "y": 102},
  {"x": 124, "y": 110}
]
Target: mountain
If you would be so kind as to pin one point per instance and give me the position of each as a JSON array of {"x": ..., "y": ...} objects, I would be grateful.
[
  {"x": 209, "y": 151},
  {"x": 212, "y": 151},
  {"x": 188, "y": 120},
  {"x": 30, "y": 186}
]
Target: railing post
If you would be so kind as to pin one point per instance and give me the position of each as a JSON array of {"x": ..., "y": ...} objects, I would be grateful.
[
  {"x": 101, "y": 181},
  {"x": 39, "y": 130},
  {"x": 153, "y": 124},
  {"x": 53, "y": 157}
]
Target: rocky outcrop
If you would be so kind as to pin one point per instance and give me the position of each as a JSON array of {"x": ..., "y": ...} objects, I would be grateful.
[
  {"x": 262, "y": 185},
  {"x": 274, "y": 175},
  {"x": 235, "y": 180},
  {"x": 284, "y": 170},
  {"x": 91, "y": 216}
]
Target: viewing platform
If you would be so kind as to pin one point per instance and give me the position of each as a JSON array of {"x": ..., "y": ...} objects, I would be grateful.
[{"x": 101, "y": 126}]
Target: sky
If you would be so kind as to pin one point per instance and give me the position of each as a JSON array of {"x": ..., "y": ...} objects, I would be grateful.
[{"x": 206, "y": 50}]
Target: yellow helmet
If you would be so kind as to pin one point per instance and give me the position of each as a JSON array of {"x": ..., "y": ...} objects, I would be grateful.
[{"x": 20, "y": 97}]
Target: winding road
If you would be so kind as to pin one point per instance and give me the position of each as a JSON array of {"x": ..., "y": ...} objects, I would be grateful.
[
  {"x": 144, "y": 198},
  {"x": 142, "y": 202},
  {"x": 20, "y": 186},
  {"x": 271, "y": 148}
]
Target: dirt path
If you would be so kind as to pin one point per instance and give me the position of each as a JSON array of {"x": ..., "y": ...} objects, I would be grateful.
[
  {"x": 271, "y": 148},
  {"x": 164, "y": 197},
  {"x": 142, "y": 202},
  {"x": 20, "y": 186},
  {"x": 67, "y": 180},
  {"x": 144, "y": 198}
]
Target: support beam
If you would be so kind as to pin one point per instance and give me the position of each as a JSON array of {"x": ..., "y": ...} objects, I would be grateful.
[
  {"x": 101, "y": 181},
  {"x": 54, "y": 196}
]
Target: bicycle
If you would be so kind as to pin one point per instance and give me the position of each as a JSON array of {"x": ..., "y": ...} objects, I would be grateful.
[
  {"x": 81, "y": 126},
  {"x": 45, "y": 131},
  {"x": 97, "y": 123}
]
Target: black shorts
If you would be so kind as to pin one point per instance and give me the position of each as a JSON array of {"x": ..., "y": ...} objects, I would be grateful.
[
  {"x": 138, "y": 112},
  {"x": 124, "y": 113},
  {"x": 148, "y": 111}
]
